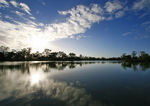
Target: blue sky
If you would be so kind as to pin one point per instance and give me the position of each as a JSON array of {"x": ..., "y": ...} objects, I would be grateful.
[{"x": 101, "y": 28}]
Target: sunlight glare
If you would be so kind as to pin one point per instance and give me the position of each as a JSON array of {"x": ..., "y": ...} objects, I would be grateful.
[
  {"x": 35, "y": 78},
  {"x": 38, "y": 43}
]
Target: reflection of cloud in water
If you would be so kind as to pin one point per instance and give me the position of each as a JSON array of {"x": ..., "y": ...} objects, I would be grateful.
[
  {"x": 35, "y": 78},
  {"x": 17, "y": 85}
]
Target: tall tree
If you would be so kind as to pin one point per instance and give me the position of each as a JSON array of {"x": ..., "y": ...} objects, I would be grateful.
[
  {"x": 47, "y": 52},
  {"x": 3, "y": 52}
]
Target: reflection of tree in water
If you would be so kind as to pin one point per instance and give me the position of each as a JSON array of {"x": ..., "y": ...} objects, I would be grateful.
[
  {"x": 46, "y": 66},
  {"x": 23, "y": 67},
  {"x": 17, "y": 89},
  {"x": 143, "y": 66}
]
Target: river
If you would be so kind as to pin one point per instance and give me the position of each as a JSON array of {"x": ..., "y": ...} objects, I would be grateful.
[{"x": 79, "y": 83}]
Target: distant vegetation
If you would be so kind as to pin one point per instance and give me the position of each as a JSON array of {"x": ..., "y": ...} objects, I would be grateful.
[
  {"x": 135, "y": 57},
  {"x": 7, "y": 54}
]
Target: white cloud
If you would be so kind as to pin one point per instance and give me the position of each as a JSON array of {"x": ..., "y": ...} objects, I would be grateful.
[
  {"x": 113, "y": 6},
  {"x": 127, "y": 33},
  {"x": 119, "y": 14},
  {"x": 22, "y": 34},
  {"x": 43, "y": 2},
  {"x": 97, "y": 9},
  {"x": 41, "y": 24},
  {"x": 14, "y": 3},
  {"x": 37, "y": 12},
  {"x": 141, "y": 4},
  {"x": 148, "y": 28},
  {"x": 22, "y": 6},
  {"x": 4, "y": 3},
  {"x": 17, "y": 34},
  {"x": 8, "y": 17},
  {"x": 25, "y": 8},
  {"x": 146, "y": 36},
  {"x": 115, "y": 9},
  {"x": 144, "y": 14},
  {"x": 80, "y": 36},
  {"x": 81, "y": 18},
  {"x": 19, "y": 13},
  {"x": 145, "y": 23},
  {"x": 32, "y": 18}
]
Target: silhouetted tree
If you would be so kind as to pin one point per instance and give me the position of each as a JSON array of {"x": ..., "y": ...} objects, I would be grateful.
[
  {"x": 29, "y": 52},
  {"x": 36, "y": 55},
  {"x": 103, "y": 58},
  {"x": 47, "y": 52},
  {"x": 81, "y": 56},
  {"x": 53, "y": 55},
  {"x": 61, "y": 55},
  {"x": 133, "y": 55},
  {"x": 3, "y": 52},
  {"x": 72, "y": 55},
  {"x": 123, "y": 56},
  {"x": 25, "y": 54},
  {"x": 144, "y": 56}
]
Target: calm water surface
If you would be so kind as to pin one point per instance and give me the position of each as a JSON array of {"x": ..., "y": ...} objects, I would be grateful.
[{"x": 99, "y": 83}]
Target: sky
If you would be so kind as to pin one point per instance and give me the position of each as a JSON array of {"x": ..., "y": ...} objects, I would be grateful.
[{"x": 100, "y": 28}]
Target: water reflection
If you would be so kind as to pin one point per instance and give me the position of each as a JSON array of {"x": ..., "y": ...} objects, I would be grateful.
[
  {"x": 30, "y": 83},
  {"x": 102, "y": 83},
  {"x": 46, "y": 66},
  {"x": 136, "y": 66}
]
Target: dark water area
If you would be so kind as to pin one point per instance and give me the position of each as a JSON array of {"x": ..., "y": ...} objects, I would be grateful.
[{"x": 85, "y": 83}]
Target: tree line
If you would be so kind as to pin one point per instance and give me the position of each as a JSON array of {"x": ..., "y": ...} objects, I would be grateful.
[
  {"x": 25, "y": 54},
  {"x": 7, "y": 54},
  {"x": 135, "y": 57}
]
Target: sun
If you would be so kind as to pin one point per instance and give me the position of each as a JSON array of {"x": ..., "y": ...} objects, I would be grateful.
[{"x": 38, "y": 43}]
